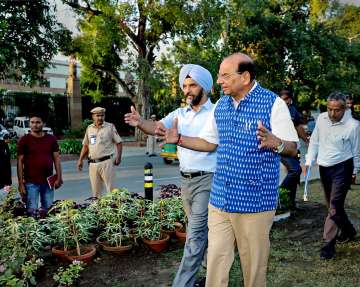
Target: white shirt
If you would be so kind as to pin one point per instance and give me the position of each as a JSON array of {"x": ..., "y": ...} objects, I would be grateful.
[
  {"x": 190, "y": 123},
  {"x": 332, "y": 143},
  {"x": 280, "y": 122}
]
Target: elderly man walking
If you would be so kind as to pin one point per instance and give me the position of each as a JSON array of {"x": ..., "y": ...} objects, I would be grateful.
[
  {"x": 335, "y": 144},
  {"x": 250, "y": 127},
  {"x": 196, "y": 168},
  {"x": 102, "y": 144}
]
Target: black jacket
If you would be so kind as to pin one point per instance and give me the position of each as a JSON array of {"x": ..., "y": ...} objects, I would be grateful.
[{"x": 5, "y": 164}]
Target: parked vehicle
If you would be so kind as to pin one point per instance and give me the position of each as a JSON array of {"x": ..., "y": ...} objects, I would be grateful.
[
  {"x": 4, "y": 133},
  {"x": 22, "y": 127},
  {"x": 12, "y": 133}
]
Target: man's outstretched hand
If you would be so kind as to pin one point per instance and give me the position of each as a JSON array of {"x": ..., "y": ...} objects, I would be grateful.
[
  {"x": 172, "y": 135},
  {"x": 160, "y": 129},
  {"x": 133, "y": 118}
]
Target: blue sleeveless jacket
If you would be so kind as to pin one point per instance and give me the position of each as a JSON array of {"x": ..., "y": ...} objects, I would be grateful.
[{"x": 246, "y": 178}]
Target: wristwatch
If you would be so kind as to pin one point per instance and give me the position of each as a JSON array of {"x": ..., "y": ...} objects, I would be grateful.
[{"x": 280, "y": 148}]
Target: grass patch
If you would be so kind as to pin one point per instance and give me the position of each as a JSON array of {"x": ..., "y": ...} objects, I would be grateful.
[{"x": 295, "y": 244}]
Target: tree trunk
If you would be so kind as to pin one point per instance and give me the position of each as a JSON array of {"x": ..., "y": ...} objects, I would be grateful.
[{"x": 143, "y": 106}]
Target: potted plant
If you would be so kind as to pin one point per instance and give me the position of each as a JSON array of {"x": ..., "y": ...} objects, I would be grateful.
[
  {"x": 168, "y": 216},
  {"x": 71, "y": 227},
  {"x": 27, "y": 234},
  {"x": 59, "y": 228},
  {"x": 148, "y": 227},
  {"x": 139, "y": 206},
  {"x": 180, "y": 219},
  {"x": 115, "y": 211}
]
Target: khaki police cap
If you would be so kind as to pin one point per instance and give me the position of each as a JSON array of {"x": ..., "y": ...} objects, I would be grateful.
[{"x": 98, "y": 110}]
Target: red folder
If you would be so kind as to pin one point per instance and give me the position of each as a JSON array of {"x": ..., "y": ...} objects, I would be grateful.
[{"x": 51, "y": 181}]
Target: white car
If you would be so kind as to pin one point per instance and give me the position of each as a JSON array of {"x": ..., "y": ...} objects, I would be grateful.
[
  {"x": 22, "y": 127},
  {"x": 4, "y": 132}
]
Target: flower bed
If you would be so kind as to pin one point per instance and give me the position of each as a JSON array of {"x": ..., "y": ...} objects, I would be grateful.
[
  {"x": 118, "y": 220},
  {"x": 72, "y": 227}
]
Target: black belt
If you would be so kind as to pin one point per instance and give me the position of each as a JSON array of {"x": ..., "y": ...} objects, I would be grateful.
[
  {"x": 193, "y": 174},
  {"x": 99, "y": 159}
]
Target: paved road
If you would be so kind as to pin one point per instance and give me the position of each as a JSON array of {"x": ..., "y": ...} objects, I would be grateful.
[{"x": 130, "y": 174}]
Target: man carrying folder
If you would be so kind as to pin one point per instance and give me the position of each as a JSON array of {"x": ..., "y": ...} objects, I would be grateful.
[{"x": 37, "y": 155}]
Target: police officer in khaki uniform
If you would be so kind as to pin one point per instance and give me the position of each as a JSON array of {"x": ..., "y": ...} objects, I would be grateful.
[{"x": 102, "y": 144}]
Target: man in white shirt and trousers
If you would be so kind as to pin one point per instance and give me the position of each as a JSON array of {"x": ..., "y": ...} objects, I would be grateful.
[
  {"x": 196, "y": 168},
  {"x": 335, "y": 143}
]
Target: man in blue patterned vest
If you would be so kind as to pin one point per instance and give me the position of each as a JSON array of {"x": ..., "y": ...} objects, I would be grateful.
[{"x": 250, "y": 127}]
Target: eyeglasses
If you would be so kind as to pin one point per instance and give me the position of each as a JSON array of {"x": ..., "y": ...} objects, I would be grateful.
[{"x": 227, "y": 76}]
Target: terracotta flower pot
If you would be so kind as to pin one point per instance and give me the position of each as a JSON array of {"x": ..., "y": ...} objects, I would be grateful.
[
  {"x": 114, "y": 249},
  {"x": 180, "y": 233},
  {"x": 87, "y": 253},
  {"x": 171, "y": 233},
  {"x": 158, "y": 245},
  {"x": 59, "y": 252}
]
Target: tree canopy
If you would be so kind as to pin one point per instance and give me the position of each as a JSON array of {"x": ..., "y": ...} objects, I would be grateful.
[
  {"x": 123, "y": 38},
  {"x": 311, "y": 45},
  {"x": 30, "y": 36}
]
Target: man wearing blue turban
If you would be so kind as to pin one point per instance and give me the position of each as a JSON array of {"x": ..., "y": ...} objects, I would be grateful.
[{"x": 196, "y": 168}]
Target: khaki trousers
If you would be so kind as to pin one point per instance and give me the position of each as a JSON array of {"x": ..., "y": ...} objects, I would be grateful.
[
  {"x": 101, "y": 173},
  {"x": 250, "y": 231}
]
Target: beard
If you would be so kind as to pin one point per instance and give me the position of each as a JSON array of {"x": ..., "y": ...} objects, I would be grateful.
[{"x": 196, "y": 98}]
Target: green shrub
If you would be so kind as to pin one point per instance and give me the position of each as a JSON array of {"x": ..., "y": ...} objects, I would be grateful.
[
  {"x": 77, "y": 133},
  {"x": 284, "y": 200},
  {"x": 68, "y": 276},
  {"x": 70, "y": 146},
  {"x": 12, "y": 147},
  {"x": 67, "y": 146}
]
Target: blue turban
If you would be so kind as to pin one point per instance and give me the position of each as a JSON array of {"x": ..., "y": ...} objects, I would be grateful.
[{"x": 199, "y": 74}]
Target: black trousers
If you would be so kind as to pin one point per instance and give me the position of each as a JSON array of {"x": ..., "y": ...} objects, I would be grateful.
[
  {"x": 336, "y": 181},
  {"x": 292, "y": 178}
]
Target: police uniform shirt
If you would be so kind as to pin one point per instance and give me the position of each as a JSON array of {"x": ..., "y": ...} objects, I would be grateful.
[{"x": 101, "y": 140}]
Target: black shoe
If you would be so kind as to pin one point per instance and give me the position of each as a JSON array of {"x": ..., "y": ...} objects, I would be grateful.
[
  {"x": 151, "y": 155},
  {"x": 327, "y": 252},
  {"x": 346, "y": 236},
  {"x": 200, "y": 282}
]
